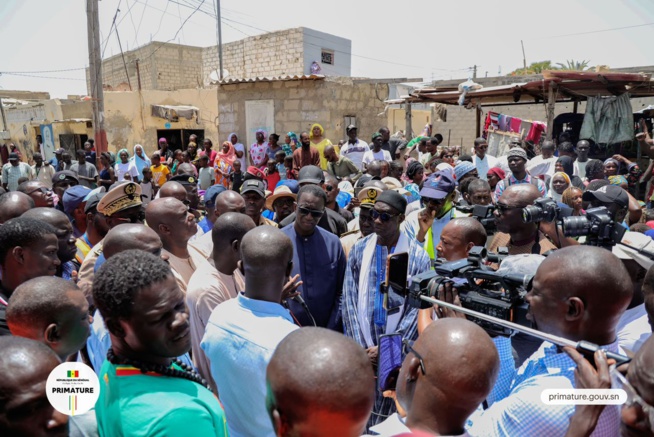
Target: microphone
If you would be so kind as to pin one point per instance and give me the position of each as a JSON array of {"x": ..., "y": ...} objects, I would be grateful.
[{"x": 298, "y": 299}]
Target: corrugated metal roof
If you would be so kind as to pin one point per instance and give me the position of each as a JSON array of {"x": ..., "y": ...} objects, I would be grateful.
[{"x": 230, "y": 81}]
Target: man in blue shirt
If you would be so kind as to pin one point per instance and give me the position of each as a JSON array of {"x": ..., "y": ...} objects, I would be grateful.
[
  {"x": 583, "y": 303},
  {"x": 319, "y": 260},
  {"x": 517, "y": 159},
  {"x": 242, "y": 333}
]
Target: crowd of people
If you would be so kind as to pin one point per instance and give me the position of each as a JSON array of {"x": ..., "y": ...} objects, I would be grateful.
[{"x": 212, "y": 296}]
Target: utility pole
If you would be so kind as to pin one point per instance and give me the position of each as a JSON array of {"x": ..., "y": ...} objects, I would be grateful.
[
  {"x": 474, "y": 71},
  {"x": 95, "y": 75},
  {"x": 219, "y": 35},
  {"x": 524, "y": 58}
]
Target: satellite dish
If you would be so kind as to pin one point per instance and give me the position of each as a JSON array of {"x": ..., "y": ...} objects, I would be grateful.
[{"x": 215, "y": 77}]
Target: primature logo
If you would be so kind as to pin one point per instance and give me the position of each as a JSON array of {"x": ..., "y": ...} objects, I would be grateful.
[{"x": 73, "y": 388}]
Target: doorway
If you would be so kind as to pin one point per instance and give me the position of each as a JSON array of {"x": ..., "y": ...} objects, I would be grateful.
[{"x": 179, "y": 138}]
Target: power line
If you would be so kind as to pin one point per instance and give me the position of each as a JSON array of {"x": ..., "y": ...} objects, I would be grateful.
[
  {"x": 43, "y": 71},
  {"x": 39, "y": 77},
  {"x": 136, "y": 40},
  {"x": 591, "y": 32}
]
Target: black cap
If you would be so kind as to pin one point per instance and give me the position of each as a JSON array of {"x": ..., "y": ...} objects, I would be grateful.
[
  {"x": 311, "y": 174},
  {"x": 254, "y": 185},
  {"x": 187, "y": 179},
  {"x": 13, "y": 156},
  {"x": 608, "y": 194},
  {"x": 63, "y": 175},
  {"x": 93, "y": 200},
  {"x": 394, "y": 199}
]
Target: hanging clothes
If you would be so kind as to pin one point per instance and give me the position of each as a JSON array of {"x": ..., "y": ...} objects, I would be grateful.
[
  {"x": 515, "y": 124},
  {"x": 608, "y": 120}
]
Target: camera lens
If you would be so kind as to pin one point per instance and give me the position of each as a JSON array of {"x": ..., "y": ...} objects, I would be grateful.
[
  {"x": 531, "y": 214},
  {"x": 576, "y": 226}
]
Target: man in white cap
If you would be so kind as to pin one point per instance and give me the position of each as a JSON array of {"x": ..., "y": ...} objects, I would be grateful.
[
  {"x": 121, "y": 204},
  {"x": 517, "y": 159},
  {"x": 354, "y": 148}
]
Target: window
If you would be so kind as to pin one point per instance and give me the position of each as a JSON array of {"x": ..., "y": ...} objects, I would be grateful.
[{"x": 327, "y": 57}]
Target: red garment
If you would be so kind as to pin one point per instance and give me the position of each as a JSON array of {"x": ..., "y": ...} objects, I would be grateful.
[
  {"x": 272, "y": 180},
  {"x": 515, "y": 124},
  {"x": 302, "y": 158},
  {"x": 537, "y": 129}
]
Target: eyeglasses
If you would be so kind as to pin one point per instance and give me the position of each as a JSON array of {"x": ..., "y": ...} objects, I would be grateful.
[
  {"x": 503, "y": 207},
  {"x": 408, "y": 347},
  {"x": 383, "y": 216},
  {"x": 314, "y": 213},
  {"x": 619, "y": 381},
  {"x": 329, "y": 187},
  {"x": 43, "y": 190},
  {"x": 431, "y": 201}
]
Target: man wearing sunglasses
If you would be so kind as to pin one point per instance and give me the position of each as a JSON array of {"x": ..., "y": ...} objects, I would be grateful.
[
  {"x": 425, "y": 225},
  {"x": 42, "y": 196},
  {"x": 367, "y": 314},
  {"x": 513, "y": 232},
  {"x": 481, "y": 159},
  {"x": 367, "y": 198},
  {"x": 319, "y": 259},
  {"x": 121, "y": 204}
]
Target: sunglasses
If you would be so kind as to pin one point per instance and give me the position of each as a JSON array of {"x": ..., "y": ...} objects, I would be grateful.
[
  {"x": 503, "y": 207},
  {"x": 42, "y": 190},
  {"x": 314, "y": 213},
  {"x": 383, "y": 216},
  {"x": 619, "y": 381},
  {"x": 329, "y": 187},
  {"x": 136, "y": 218},
  {"x": 408, "y": 348},
  {"x": 432, "y": 201}
]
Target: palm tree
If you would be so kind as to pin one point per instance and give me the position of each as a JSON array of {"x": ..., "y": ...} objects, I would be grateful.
[
  {"x": 573, "y": 65},
  {"x": 534, "y": 68}
]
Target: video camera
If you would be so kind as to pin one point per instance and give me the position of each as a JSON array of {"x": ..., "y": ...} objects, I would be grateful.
[
  {"x": 483, "y": 214},
  {"x": 480, "y": 289},
  {"x": 597, "y": 225}
]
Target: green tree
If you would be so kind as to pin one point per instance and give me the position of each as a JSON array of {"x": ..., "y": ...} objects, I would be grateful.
[
  {"x": 534, "y": 68},
  {"x": 573, "y": 65}
]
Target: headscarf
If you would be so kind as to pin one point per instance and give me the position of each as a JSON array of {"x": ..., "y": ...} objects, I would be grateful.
[
  {"x": 553, "y": 194},
  {"x": 614, "y": 161},
  {"x": 139, "y": 162},
  {"x": 121, "y": 151},
  {"x": 497, "y": 172},
  {"x": 229, "y": 138},
  {"x": 413, "y": 168},
  {"x": 292, "y": 136},
  {"x": 265, "y": 136},
  {"x": 567, "y": 164},
  {"x": 228, "y": 157},
  {"x": 322, "y": 131}
]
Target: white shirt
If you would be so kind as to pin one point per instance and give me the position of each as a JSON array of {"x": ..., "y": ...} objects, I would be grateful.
[
  {"x": 633, "y": 328},
  {"x": 382, "y": 155},
  {"x": 354, "y": 152},
  {"x": 122, "y": 169},
  {"x": 483, "y": 165},
  {"x": 580, "y": 168},
  {"x": 538, "y": 166}
]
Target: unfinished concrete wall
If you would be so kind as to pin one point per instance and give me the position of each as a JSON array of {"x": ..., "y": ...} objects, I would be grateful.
[{"x": 299, "y": 104}]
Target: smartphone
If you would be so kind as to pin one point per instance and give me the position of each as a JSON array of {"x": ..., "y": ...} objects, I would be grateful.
[
  {"x": 389, "y": 361},
  {"x": 397, "y": 268}
]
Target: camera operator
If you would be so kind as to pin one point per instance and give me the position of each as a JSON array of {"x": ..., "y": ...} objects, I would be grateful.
[
  {"x": 458, "y": 237},
  {"x": 574, "y": 303},
  {"x": 518, "y": 236},
  {"x": 617, "y": 201}
]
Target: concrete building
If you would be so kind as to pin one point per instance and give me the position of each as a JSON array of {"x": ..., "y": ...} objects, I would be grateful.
[{"x": 166, "y": 66}]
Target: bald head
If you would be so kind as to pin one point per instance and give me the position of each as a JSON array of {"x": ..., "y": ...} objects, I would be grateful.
[
  {"x": 321, "y": 383},
  {"x": 185, "y": 168},
  {"x": 131, "y": 236},
  {"x": 580, "y": 293},
  {"x": 229, "y": 228},
  {"x": 524, "y": 193},
  {"x": 459, "y": 236},
  {"x": 266, "y": 256},
  {"x": 173, "y": 189},
  {"x": 461, "y": 364},
  {"x": 229, "y": 201},
  {"x": 52, "y": 216},
  {"x": 14, "y": 204},
  {"x": 374, "y": 168}
]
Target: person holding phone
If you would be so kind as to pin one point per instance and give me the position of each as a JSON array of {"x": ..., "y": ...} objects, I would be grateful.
[{"x": 367, "y": 312}]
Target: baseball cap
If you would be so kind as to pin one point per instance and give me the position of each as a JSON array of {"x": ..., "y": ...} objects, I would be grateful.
[
  {"x": 211, "y": 194},
  {"x": 73, "y": 197},
  {"x": 59, "y": 151},
  {"x": 311, "y": 174},
  {"x": 608, "y": 194},
  {"x": 92, "y": 200},
  {"x": 631, "y": 245},
  {"x": 185, "y": 179},
  {"x": 254, "y": 185},
  {"x": 13, "y": 156},
  {"x": 350, "y": 127},
  {"x": 438, "y": 185},
  {"x": 292, "y": 184},
  {"x": 61, "y": 176}
]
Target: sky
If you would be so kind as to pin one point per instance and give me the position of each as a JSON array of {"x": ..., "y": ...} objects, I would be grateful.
[{"x": 44, "y": 42}]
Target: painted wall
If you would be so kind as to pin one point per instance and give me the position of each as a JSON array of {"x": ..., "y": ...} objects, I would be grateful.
[
  {"x": 128, "y": 119},
  {"x": 314, "y": 42}
]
